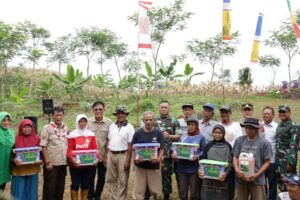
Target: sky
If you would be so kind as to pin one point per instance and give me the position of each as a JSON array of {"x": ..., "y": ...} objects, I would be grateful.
[{"x": 61, "y": 17}]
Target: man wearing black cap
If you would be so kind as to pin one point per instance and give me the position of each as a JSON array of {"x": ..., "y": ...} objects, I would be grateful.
[
  {"x": 258, "y": 152},
  {"x": 188, "y": 111},
  {"x": 118, "y": 158},
  {"x": 233, "y": 129},
  {"x": 247, "y": 111},
  {"x": 286, "y": 146},
  {"x": 293, "y": 188},
  {"x": 207, "y": 123}
]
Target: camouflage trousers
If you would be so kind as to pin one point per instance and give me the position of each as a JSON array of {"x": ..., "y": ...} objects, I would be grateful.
[{"x": 167, "y": 171}]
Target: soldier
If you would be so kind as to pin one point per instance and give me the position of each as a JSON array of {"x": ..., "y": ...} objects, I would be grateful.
[
  {"x": 286, "y": 147},
  {"x": 171, "y": 131}
]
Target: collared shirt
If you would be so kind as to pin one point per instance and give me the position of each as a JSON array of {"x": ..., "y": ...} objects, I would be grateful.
[
  {"x": 120, "y": 136},
  {"x": 101, "y": 132},
  {"x": 183, "y": 126},
  {"x": 57, "y": 147},
  {"x": 206, "y": 129},
  {"x": 269, "y": 133}
]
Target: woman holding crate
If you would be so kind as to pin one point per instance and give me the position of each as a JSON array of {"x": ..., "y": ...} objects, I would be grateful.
[
  {"x": 82, "y": 154},
  {"x": 188, "y": 168},
  {"x": 25, "y": 175},
  {"x": 217, "y": 150},
  {"x": 7, "y": 140}
]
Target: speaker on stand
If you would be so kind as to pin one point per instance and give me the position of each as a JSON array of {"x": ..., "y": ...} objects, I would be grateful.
[{"x": 47, "y": 107}]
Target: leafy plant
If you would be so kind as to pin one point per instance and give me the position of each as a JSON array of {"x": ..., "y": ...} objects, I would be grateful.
[
  {"x": 46, "y": 88},
  {"x": 73, "y": 82},
  {"x": 188, "y": 74},
  {"x": 168, "y": 72}
]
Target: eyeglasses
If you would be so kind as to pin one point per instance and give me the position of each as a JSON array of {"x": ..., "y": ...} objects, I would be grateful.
[{"x": 98, "y": 109}]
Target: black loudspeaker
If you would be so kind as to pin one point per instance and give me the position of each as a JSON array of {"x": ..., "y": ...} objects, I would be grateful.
[
  {"x": 47, "y": 106},
  {"x": 34, "y": 121}
]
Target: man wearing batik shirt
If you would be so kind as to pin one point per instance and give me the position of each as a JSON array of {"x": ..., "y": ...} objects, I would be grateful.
[
  {"x": 170, "y": 128},
  {"x": 286, "y": 146},
  {"x": 54, "y": 148}
]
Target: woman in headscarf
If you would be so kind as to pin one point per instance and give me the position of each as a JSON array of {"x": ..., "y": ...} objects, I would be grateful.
[
  {"x": 188, "y": 169},
  {"x": 25, "y": 177},
  {"x": 220, "y": 150},
  {"x": 80, "y": 139},
  {"x": 7, "y": 140}
]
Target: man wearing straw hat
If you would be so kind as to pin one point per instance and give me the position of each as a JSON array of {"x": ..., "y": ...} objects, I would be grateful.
[{"x": 118, "y": 159}]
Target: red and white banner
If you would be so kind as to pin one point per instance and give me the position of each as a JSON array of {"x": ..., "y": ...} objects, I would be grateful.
[{"x": 144, "y": 34}]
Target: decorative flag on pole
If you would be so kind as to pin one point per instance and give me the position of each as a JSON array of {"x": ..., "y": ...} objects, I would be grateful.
[
  {"x": 226, "y": 20},
  {"x": 144, "y": 38},
  {"x": 255, "y": 46},
  {"x": 294, "y": 24}
]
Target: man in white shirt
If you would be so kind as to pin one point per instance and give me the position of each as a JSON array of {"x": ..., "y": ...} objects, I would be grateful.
[
  {"x": 233, "y": 129},
  {"x": 269, "y": 133},
  {"x": 118, "y": 159}
]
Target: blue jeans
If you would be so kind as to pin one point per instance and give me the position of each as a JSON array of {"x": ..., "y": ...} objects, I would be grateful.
[
  {"x": 25, "y": 187},
  {"x": 271, "y": 176}
]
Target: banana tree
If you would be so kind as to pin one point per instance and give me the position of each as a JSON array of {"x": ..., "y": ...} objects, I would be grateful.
[
  {"x": 168, "y": 72},
  {"x": 73, "y": 82},
  {"x": 46, "y": 88},
  {"x": 188, "y": 74}
]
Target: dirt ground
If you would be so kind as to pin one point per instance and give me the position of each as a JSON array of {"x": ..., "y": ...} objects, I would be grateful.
[{"x": 105, "y": 194}]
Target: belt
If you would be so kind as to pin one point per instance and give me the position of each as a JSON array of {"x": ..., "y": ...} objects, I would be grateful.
[{"x": 119, "y": 152}]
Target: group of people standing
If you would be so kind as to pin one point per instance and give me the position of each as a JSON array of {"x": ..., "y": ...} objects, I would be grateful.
[{"x": 273, "y": 148}]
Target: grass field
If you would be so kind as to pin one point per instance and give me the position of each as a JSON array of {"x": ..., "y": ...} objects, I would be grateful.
[{"x": 35, "y": 109}]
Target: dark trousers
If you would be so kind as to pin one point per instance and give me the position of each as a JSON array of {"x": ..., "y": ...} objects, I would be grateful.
[
  {"x": 2, "y": 187},
  {"x": 95, "y": 193},
  {"x": 54, "y": 183},
  {"x": 188, "y": 183},
  {"x": 80, "y": 178},
  {"x": 271, "y": 176}
]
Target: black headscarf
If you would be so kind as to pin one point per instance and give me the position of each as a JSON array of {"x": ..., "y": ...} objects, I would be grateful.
[{"x": 210, "y": 144}]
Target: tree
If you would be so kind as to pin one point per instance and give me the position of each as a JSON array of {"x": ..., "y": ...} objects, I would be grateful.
[
  {"x": 270, "y": 61},
  {"x": 60, "y": 51},
  {"x": 212, "y": 50},
  {"x": 225, "y": 75},
  {"x": 116, "y": 51},
  {"x": 12, "y": 41},
  {"x": 168, "y": 72},
  {"x": 245, "y": 76},
  {"x": 284, "y": 39},
  {"x": 83, "y": 44},
  {"x": 73, "y": 82},
  {"x": 188, "y": 74},
  {"x": 131, "y": 64},
  {"x": 164, "y": 20}
]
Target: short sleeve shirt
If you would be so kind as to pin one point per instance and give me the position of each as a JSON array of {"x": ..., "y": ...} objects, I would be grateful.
[
  {"x": 261, "y": 150},
  {"x": 155, "y": 136},
  {"x": 206, "y": 129},
  {"x": 120, "y": 136},
  {"x": 57, "y": 148},
  {"x": 101, "y": 132}
]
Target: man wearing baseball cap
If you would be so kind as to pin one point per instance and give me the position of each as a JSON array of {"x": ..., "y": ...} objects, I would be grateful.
[
  {"x": 293, "y": 188},
  {"x": 247, "y": 111},
  {"x": 188, "y": 111},
  {"x": 286, "y": 146},
  {"x": 207, "y": 123}
]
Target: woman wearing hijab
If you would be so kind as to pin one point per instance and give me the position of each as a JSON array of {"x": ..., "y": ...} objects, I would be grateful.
[
  {"x": 218, "y": 150},
  {"x": 188, "y": 169},
  {"x": 25, "y": 177},
  {"x": 80, "y": 139},
  {"x": 7, "y": 140}
]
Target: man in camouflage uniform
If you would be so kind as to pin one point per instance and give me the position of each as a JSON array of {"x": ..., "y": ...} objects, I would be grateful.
[
  {"x": 171, "y": 131},
  {"x": 296, "y": 133},
  {"x": 286, "y": 146}
]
